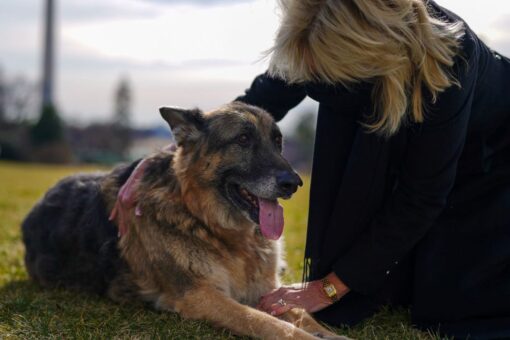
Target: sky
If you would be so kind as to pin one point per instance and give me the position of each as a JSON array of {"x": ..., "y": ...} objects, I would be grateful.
[{"x": 189, "y": 53}]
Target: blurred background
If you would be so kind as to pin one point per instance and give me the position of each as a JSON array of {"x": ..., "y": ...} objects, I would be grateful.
[{"x": 81, "y": 80}]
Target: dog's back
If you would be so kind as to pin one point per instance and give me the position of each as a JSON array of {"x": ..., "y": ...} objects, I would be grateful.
[{"x": 68, "y": 238}]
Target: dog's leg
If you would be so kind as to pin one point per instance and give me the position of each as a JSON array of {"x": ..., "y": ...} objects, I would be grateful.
[
  {"x": 209, "y": 304},
  {"x": 122, "y": 288},
  {"x": 300, "y": 318}
]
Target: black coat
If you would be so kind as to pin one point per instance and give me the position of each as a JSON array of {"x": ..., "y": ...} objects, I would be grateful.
[{"x": 424, "y": 216}]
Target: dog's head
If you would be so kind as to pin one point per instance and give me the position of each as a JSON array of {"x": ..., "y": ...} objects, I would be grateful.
[{"x": 233, "y": 157}]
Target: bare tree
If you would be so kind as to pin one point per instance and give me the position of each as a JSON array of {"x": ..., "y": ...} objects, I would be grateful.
[
  {"x": 123, "y": 97},
  {"x": 20, "y": 99},
  {"x": 121, "y": 139},
  {"x": 305, "y": 132}
]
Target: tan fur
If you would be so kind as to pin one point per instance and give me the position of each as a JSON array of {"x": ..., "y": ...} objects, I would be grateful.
[{"x": 191, "y": 253}]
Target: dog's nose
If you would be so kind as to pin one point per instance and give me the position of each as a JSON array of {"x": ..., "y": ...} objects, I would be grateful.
[{"x": 288, "y": 182}]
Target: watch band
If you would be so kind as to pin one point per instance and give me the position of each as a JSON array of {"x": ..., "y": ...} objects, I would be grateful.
[{"x": 330, "y": 290}]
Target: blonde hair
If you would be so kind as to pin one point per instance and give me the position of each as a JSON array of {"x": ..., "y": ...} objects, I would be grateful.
[{"x": 396, "y": 44}]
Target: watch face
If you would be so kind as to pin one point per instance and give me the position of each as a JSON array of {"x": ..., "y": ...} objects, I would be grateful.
[{"x": 330, "y": 290}]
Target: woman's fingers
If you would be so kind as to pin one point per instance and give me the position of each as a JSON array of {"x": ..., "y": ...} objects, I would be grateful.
[
  {"x": 266, "y": 302},
  {"x": 283, "y": 289},
  {"x": 289, "y": 295},
  {"x": 279, "y": 309},
  {"x": 282, "y": 300},
  {"x": 291, "y": 299},
  {"x": 268, "y": 299},
  {"x": 285, "y": 302}
]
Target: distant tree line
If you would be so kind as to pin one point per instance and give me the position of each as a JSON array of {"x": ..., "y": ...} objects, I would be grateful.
[
  {"x": 29, "y": 132},
  {"x": 298, "y": 146}
]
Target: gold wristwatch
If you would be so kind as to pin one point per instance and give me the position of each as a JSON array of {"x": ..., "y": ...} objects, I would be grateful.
[{"x": 329, "y": 289}]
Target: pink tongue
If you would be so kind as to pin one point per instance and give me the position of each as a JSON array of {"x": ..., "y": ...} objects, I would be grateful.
[{"x": 270, "y": 219}]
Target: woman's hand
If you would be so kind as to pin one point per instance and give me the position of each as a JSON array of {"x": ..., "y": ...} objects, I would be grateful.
[{"x": 311, "y": 297}]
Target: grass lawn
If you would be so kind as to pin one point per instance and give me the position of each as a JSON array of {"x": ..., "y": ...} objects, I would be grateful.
[{"x": 27, "y": 311}]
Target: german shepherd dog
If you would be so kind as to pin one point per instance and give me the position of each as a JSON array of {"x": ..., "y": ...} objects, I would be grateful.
[{"x": 203, "y": 239}]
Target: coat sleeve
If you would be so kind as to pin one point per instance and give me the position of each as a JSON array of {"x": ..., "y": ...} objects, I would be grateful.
[
  {"x": 273, "y": 95},
  {"x": 427, "y": 176}
]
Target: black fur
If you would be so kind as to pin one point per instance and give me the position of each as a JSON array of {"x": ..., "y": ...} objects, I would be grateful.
[{"x": 68, "y": 238}]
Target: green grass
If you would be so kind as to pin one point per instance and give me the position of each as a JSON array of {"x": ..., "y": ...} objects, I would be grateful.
[{"x": 27, "y": 311}]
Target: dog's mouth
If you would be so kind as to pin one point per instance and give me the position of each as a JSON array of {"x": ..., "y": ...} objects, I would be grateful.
[{"x": 267, "y": 213}]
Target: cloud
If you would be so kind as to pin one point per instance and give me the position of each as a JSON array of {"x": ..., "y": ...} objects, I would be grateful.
[
  {"x": 182, "y": 34},
  {"x": 503, "y": 22},
  {"x": 502, "y": 46},
  {"x": 19, "y": 12},
  {"x": 198, "y": 2},
  {"x": 499, "y": 36},
  {"x": 15, "y": 14},
  {"x": 92, "y": 10},
  {"x": 74, "y": 57}
]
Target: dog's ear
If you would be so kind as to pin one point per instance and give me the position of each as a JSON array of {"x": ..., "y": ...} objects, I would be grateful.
[{"x": 187, "y": 125}]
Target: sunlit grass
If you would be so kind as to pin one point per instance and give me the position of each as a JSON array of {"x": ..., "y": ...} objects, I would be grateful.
[{"x": 27, "y": 311}]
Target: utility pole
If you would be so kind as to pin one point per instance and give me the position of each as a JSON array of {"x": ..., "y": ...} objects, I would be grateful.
[
  {"x": 3, "y": 95},
  {"x": 48, "y": 57},
  {"x": 47, "y": 134}
]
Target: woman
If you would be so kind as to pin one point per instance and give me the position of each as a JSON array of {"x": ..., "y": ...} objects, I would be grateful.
[{"x": 410, "y": 195}]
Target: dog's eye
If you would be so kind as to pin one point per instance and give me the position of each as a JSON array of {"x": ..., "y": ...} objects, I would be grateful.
[{"x": 243, "y": 140}]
